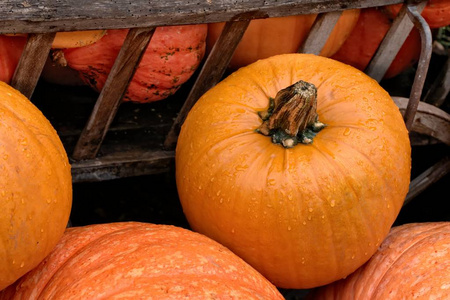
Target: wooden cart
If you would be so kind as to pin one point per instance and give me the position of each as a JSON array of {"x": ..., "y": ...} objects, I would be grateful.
[{"x": 108, "y": 139}]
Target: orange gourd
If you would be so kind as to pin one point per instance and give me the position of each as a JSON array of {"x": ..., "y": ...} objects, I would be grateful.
[
  {"x": 436, "y": 12},
  {"x": 365, "y": 38},
  {"x": 412, "y": 263},
  {"x": 172, "y": 56},
  {"x": 35, "y": 186},
  {"x": 267, "y": 37},
  {"x": 303, "y": 214},
  {"x": 11, "y": 49},
  {"x": 134, "y": 260}
]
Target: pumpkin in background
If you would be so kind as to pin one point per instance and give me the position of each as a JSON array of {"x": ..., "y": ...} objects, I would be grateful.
[
  {"x": 359, "y": 48},
  {"x": 267, "y": 37},
  {"x": 11, "y": 49},
  {"x": 134, "y": 260},
  {"x": 303, "y": 215},
  {"x": 412, "y": 263},
  {"x": 436, "y": 12},
  {"x": 172, "y": 56},
  {"x": 35, "y": 186},
  {"x": 72, "y": 39}
]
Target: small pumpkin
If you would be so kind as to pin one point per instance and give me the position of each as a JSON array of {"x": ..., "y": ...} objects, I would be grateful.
[
  {"x": 302, "y": 202},
  {"x": 35, "y": 186},
  {"x": 365, "y": 38},
  {"x": 412, "y": 263},
  {"x": 134, "y": 260},
  {"x": 267, "y": 37},
  {"x": 436, "y": 12},
  {"x": 174, "y": 53},
  {"x": 11, "y": 49},
  {"x": 73, "y": 39}
]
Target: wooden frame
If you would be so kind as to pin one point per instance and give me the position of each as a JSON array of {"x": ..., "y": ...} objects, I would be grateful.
[{"x": 43, "y": 18}]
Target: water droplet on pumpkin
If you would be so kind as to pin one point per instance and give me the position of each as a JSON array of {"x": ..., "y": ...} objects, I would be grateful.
[
  {"x": 323, "y": 216},
  {"x": 353, "y": 256},
  {"x": 310, "y": 209},
  {"x": 309, "y": 218},
  {"x": 199, "y": 187},
  {"x": 232, "y": 230},
  {"x": 271, "y": 181},
  {"x": 49, "y": 201},
  {"x": 218, "y": 193},
  {"x": 212, "y": 179},
  {"x": 332, "y": 203},
  {"x": 304, "y": 222},
  {"x": 42, "y": 229},
  {"x": 347, "y": 131},
  {"x": 22, "y": 264},
  {"x": 5, "y": 156},
  {"x": 14, "y": 262},
  {"x": 221, "y": 200},
  {"x": 289, "y": 228}
]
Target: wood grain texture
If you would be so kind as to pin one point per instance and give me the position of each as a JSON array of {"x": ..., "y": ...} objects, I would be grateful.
[{"x": 68, "y": 15}]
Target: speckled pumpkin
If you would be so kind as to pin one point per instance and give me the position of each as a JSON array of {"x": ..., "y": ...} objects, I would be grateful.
[
  {"x": 174, "y": 53},
  {"x": 412, "y": 263},
  {"x": 134, "y": 260},
  {"x": 302, "y": 202},
  {"x": 35, "y": 186}
]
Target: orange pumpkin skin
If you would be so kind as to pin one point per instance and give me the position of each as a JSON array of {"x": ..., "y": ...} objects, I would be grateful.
[
  {"x": 35, "y": 186},
  {"x": 140, "y": 261},
  {"x": 174, "y": 53},
  {"x": 304, "y": 216},
  {"x": 412, "y": 263},
  {"x": 267, "y": 37},
  {"x": 359, "y": 48},
  {"x": 436, "y": 12},
  {"x": 11, "y": 49}
]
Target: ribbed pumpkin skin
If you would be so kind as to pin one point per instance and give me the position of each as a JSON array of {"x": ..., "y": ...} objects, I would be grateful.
[
  {"x": 362, "y": 43},
  {"x": 11, "y": 49},
  {"x": 436, "y": 12},
  {"x": 304, "y": 216},
  {"x": 267, "y": 37},
  {"x": 174, "y": 53},
  {"x": 412, "y": 263},
  {"x": 134, "y": 260},
  {"x": 35, "y": 186}
]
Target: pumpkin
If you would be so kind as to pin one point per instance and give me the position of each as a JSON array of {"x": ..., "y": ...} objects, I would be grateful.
[
  {"x": 359, "y": 48},
  {"x": 412, "y": 263},
  {"x": 133, "y": 260},
  {"x": 267, "y": 37},
  {"x": 174, "y": 53},
  {"x": 11, "y": 49},
  {"x": 73, "y": 39},
  {"x": 303, "y": 188},
  {"x": 35, "y": 186},
  {"x": 436, "y": 12}
]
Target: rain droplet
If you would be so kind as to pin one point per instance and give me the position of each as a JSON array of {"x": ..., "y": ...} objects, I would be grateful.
[
  {"x": 310, "y": 209},
  {"x": 289, "y": 228},
  {"x": 22, "y": 264},
  {"x": 347, "y": 131},
  {"x": 49, "y": 201},
  {"x": 332, "y": 203}
]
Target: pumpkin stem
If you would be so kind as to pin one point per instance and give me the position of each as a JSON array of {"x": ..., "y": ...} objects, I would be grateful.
[{"x": 291, "y": 117}]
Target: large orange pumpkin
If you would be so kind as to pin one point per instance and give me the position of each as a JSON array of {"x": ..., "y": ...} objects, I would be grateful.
[
  {"x": 174, "y": 53},
  {"x": 35, "y": 186},
  {"x": 436, "y": 12},
  {"x": 267, "y": 37},
  {"x": 140, "y": 261},
  {"x": 412, "y": 263},
  {"x": 365, "y": 38},
  {"x": 303, "y": 215}
]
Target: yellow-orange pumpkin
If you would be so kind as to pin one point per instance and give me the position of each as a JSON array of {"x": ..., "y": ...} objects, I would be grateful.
[
  {"x": 310, "y": 214},
  {"x": 140, "y": 261},
  {"x": 35, "y": 186},
  {"x": 267, "y": 37},
  {"x": 412, "y": 263}
]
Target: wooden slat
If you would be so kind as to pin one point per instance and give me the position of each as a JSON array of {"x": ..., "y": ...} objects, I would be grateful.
[
  {"x": 438, "y": 92},
  {"x": 32, "y": 62},
  {"x": 110, "y": 97},
  {"x": 391, "y": 43},
  {"x": 319, "y": 33},
  {"x": 212, "y": 71},
  {"x": 68, "y": 15}
]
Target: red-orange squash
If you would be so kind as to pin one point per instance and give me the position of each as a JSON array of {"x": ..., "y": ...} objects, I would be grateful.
[
  {"x": 303, "y": 214},
  {"x": 35, "y": 186},
  {"x": 412, "y": 263},
  {"x": 174, "y": 53},
  {"x": 134, "y": 260},
  {"x": 11, "y": 49},
  {"x": 436, "y": 12},
  {"x": 359, "y": 48},
  {"x": 267, "y": 37}
]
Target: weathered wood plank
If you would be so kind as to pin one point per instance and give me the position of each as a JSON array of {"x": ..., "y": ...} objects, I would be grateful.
[
  {"x": 110, "y": 97},
  {"x": 32, "y": 62},
  {"x": 319, "y": 33},
  {"x": 69, "y": 15},
  {"x": 212, "y": 71},
  {"x": 438, "y": 92}
]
